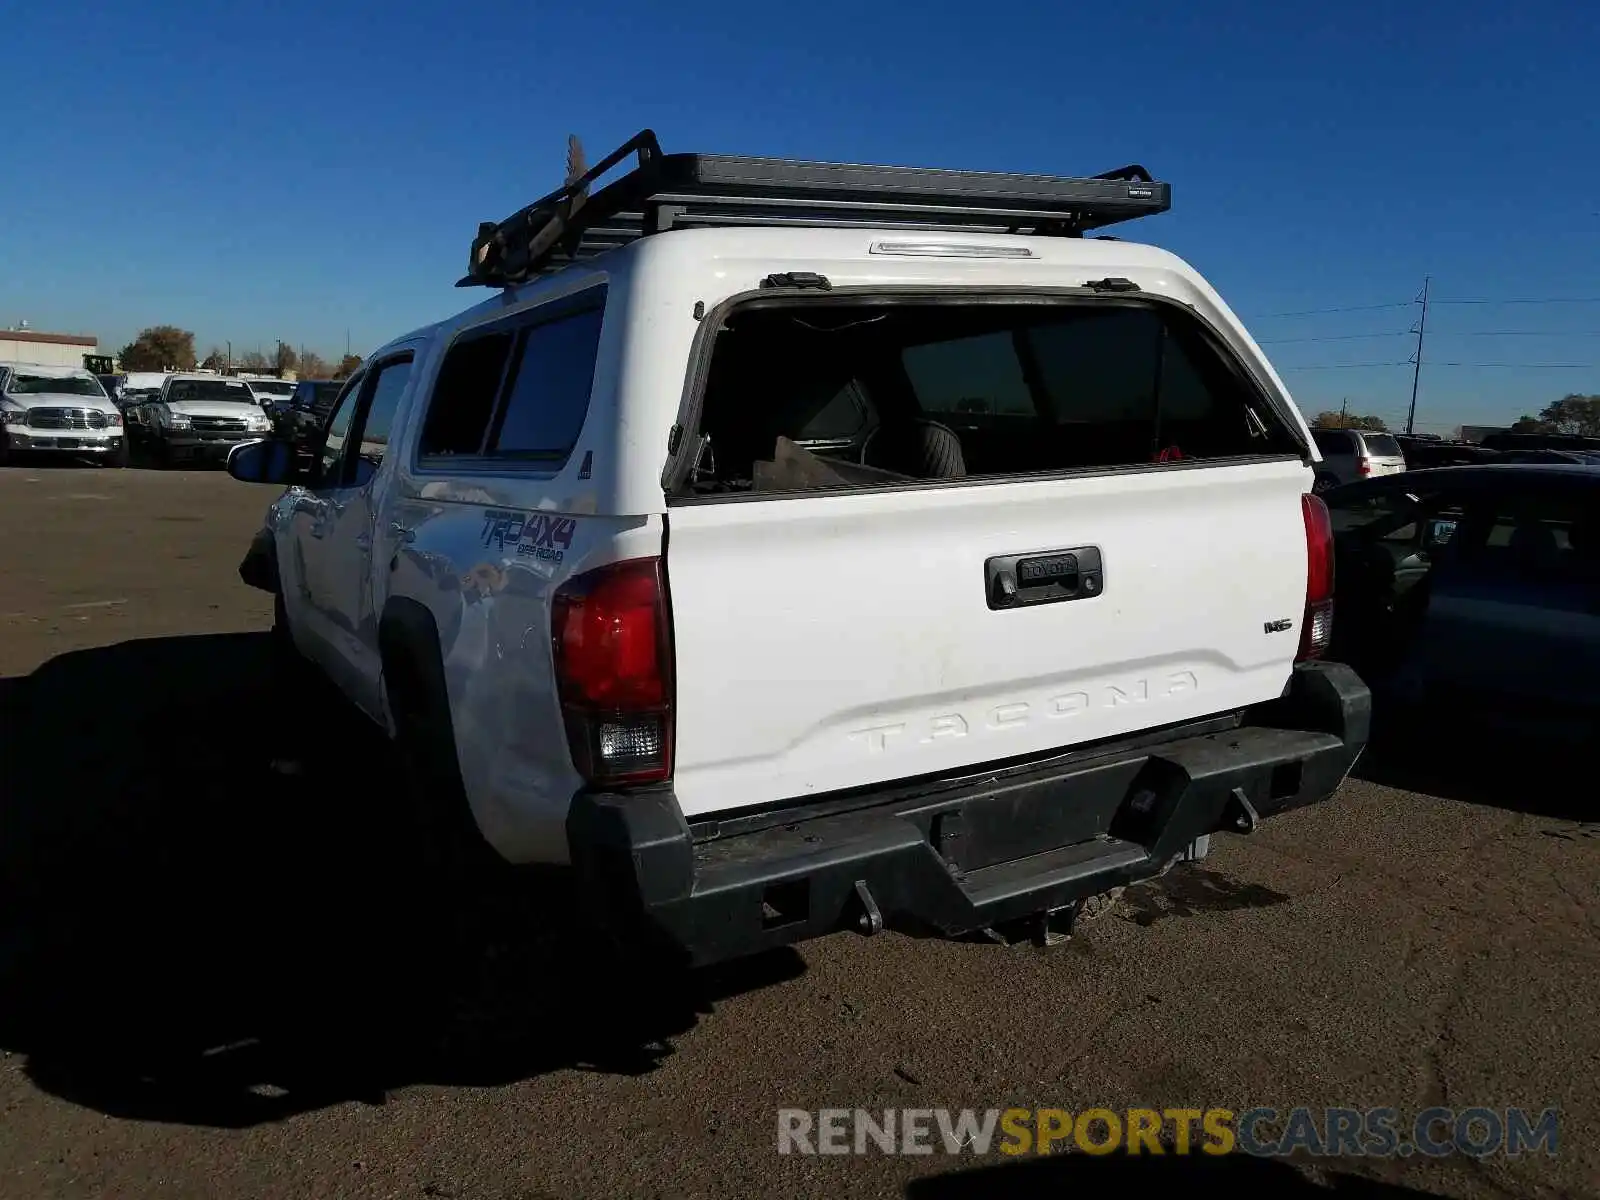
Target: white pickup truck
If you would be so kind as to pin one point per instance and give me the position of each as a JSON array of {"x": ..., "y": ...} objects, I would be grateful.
[
  {"x": 197, "y": 417},
  {"x": 58, "y": 412},
  {"x": 789, "y": 547}
]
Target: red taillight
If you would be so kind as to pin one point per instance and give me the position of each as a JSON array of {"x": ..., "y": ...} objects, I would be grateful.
[
  {"x": 1316, "y": 627},
  {"x": 1364, "y": 467},
  {"x": 613, "y": 661}
]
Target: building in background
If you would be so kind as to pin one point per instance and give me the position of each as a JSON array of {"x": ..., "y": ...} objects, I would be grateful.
[{"x": 46, "y": 349}]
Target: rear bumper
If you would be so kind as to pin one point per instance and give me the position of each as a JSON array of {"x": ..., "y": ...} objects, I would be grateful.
[{"x": 953, "y": 857}]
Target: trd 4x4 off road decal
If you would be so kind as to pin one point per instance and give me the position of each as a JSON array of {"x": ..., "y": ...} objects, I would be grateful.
[{"x": 529, "y": 535}]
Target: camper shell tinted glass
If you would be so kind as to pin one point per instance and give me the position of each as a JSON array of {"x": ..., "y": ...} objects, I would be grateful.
[
  {"x": 518, "y": 389},
  {"x": 964, "y": 387}
]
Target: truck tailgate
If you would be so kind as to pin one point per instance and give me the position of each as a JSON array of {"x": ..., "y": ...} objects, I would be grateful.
[{"x": 826, "y": 642}]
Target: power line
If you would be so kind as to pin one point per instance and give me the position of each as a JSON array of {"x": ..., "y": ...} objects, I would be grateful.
[
  {"x": 1332, "y": 337},
  {"x": 1317, "y": 312},
  {"x": 1467, "y": 333},
  {"x": 1516, "y": 332},
  {"x": 1523, "y": 366},
  {"x": 1535, "y": 300},
  {"x": 1432, "y": 362},
  {"x": 1404, "y": 362}
]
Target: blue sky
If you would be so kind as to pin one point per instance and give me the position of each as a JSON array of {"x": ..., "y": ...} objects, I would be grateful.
[{"x": 301, "y": 169}]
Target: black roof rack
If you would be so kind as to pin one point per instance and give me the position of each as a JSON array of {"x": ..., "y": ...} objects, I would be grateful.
[{"x": 674, "y": 191}]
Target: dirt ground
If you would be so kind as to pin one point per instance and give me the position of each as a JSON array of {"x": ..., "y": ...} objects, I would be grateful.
[{"x": 207, "y": 986}]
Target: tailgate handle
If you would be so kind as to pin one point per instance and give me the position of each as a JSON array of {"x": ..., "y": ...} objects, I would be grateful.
[{"x": 1043, "y": 577}]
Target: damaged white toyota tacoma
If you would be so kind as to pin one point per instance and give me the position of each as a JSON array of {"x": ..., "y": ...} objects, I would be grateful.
[{"x": 789, "y": 547}]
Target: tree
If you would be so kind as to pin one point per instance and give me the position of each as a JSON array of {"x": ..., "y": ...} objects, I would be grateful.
[
  {"x": 1339, "y": 420},
  {"x": 1572, "y": 415},
  {"x": 347, "y": 366},
  {"x": 159, "y": 348},
  {"x": 314, "y": 366},
  {"x": 215, "y": 360},
  {"x": 253, "y": 360},
  {"x": 285, "y": 359}
]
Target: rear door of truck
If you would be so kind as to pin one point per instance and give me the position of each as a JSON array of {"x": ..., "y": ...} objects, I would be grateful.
[{"x": 1118, "y": 545}]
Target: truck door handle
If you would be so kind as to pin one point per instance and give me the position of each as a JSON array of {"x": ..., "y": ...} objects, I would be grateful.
[
  {"x": 1043, "y": 577},
  {"x": 401, "y": 533}
]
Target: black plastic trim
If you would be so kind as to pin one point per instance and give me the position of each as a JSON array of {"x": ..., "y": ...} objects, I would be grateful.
[{"x": 995, "y": 848}]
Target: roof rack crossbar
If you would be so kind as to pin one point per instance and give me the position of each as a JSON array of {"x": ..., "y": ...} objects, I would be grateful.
[{"x": 665, "y": 192}]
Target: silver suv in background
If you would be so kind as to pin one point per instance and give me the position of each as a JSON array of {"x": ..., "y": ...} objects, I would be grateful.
[{"x": 1352, "y": 454}]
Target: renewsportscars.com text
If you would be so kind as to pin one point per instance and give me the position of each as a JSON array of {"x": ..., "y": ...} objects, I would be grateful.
[{"x": 1263, "y": 1132}]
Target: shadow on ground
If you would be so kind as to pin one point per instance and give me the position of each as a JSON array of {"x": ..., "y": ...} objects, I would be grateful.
[
  {"x": 1502, "y": 765},
  {"x": 1235, "y": 1176},
  {"x": 187, "y": 935}
]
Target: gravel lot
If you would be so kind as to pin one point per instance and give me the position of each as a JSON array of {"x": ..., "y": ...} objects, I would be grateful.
[{"x": 207, "y": 989}]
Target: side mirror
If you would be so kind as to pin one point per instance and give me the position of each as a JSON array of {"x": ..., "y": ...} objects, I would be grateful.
[
  {"x": 1437, "y": 532},
  {"x": 265, "y": 461}
]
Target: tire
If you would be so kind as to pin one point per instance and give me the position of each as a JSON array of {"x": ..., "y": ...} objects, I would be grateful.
[
  {"x": 293, "y": 686},
  {"x": 120, "y": 457},
  {"x": 454, "y": 853}
]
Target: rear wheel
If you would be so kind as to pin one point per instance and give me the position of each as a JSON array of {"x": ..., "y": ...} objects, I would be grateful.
[{"x": 451, "y": 850}]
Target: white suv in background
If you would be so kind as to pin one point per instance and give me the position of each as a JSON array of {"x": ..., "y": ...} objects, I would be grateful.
[
  {"x": 58, "y": 411},
  {"x": 1352, "y": 454}
]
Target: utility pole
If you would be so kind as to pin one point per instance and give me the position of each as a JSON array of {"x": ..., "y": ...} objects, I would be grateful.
[
  {"x": 228, "y": 369},
  {"x": 1416, "y": 373},
  {"x": 1344, "y": 413}
]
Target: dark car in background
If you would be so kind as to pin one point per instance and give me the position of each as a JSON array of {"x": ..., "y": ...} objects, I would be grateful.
[
  {"x": 307, "y": 409},
  {"x": 1506, "y": 442},
  {"x": 1472, "y": 594},
  {"x": 1422, "y": 452}
]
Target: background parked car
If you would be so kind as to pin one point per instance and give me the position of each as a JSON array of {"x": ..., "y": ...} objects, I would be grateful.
[
  {"x": 1541, "y": 441},
  {"x": 271, "y": 394},
  {"x": 198, "y": 417},
  {"x": 1473, "y": 594},
  {"x": 1575, "y": 458},
  {"x": 308, "y": 408},
  {"x": 60, "y": 412},
  {"x": 1422, "y": 452},
  {"x": 1352, "y": 454}
]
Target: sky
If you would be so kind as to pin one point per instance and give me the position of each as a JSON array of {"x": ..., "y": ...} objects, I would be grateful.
[{"x": 308, "y": 170}]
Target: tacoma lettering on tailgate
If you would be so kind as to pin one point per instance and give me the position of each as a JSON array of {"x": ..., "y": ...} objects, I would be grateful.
[{"x": 1018, "y": 713}]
